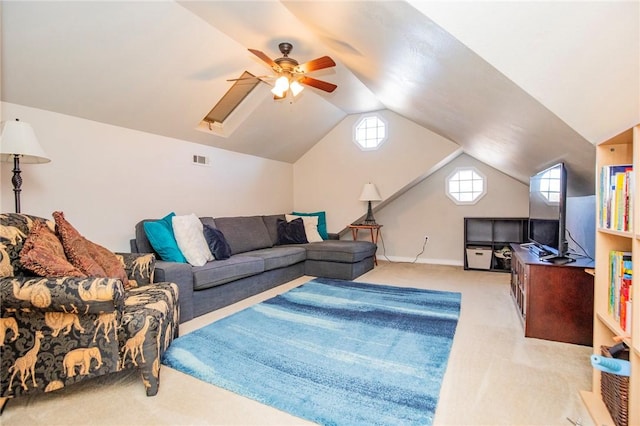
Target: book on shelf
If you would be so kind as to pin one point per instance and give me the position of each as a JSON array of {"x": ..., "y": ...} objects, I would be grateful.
[
  {"x": 615, "y": 204},
  {"x": 620, "y": 288}
]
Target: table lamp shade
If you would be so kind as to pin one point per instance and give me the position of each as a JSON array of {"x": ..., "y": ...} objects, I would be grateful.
[
  {"x": 370, "y": 193},
  {"x": 18, "y": 138}
]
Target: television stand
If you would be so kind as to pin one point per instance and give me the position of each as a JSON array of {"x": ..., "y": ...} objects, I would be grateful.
[{"x": 554, "y": 301}]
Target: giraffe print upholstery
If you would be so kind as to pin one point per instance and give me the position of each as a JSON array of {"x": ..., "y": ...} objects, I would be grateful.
[{"x": 57, "y": 331}]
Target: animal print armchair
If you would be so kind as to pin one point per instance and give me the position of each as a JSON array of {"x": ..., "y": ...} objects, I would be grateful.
[{"x": 61, "y": 329}]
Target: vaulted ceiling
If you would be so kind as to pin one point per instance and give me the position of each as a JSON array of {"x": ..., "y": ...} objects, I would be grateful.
[{"x": 518, "y": 85}]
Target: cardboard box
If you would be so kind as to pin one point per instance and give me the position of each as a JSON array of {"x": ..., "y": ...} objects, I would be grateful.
[{"x": 479, "y": 257}]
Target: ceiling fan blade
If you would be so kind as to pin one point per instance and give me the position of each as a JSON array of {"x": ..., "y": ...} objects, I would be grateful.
[
  {"x": 318, "y": 84},
  {"x": 265, "y": 58},
  {"x": 316, "y": 64}
]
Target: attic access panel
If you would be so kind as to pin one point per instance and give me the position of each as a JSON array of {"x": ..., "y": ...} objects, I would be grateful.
[{"x": 234, "y": 96}]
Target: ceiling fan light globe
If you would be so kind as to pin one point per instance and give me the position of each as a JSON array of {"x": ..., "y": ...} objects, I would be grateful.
[
  {"x": 282, "y": 84},
  {"x": 296, "y": 88},
  {"x": 277, "y": 92}
]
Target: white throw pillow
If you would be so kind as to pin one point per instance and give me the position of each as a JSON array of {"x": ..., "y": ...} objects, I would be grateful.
[
  {"x": 310, "y": 226},
  {"x": 189, "y": 234}
]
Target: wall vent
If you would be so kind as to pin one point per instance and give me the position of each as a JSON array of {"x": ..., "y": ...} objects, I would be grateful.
[{"x": 201, "y": 160}]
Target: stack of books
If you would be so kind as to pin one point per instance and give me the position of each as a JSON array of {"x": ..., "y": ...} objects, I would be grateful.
[
  {"x": 615, "y": 205},
  {"x": 621, "y": 279}
]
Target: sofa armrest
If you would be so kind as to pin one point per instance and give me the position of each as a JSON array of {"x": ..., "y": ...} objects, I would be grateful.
[
  {"x": 139, "y": 267},
  {"x": 65, "y": 294},
  {"x": 182, "y": 275}
]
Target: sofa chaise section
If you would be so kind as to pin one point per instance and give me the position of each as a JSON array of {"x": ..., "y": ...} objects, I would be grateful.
[{"x": 335, "y": 259}]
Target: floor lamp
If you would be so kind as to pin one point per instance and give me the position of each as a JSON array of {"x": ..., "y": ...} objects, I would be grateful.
[
  {"x": 369, "y": 194},
  {"x": 18, "y": 142}
]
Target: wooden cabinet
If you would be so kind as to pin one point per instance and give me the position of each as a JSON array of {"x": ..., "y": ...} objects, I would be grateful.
[
  {"x": 619, "y": 150},
  {"x": 486, "y": 234},
  {"x": 555, "y": 302}
]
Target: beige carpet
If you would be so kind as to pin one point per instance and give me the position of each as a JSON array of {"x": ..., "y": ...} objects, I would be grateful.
[{"x": 495, "y": 376}]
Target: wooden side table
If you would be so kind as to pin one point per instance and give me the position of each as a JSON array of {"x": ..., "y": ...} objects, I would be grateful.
[{"x": 375, "y": 233}]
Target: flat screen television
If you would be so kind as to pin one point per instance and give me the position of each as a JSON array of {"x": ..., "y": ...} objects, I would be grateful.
[{"x": 547, "y": 214}]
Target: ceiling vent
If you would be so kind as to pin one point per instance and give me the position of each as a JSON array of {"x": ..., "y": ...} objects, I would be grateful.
[{"x": 201, "y": 160}]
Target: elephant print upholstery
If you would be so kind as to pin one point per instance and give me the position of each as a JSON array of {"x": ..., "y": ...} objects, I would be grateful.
[
  {"x": 82, "y": 358},
  {"x": 57, "y": 331}
]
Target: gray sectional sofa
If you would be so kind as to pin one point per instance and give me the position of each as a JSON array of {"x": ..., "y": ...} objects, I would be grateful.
[{"x": 257, "y": 263}]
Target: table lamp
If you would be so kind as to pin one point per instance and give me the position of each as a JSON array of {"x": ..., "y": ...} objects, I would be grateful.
[
  {"x": 18, "y": 142},
  {"x": 369, "y": 194}
]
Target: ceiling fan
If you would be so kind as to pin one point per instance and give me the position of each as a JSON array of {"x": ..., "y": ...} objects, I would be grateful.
[{"x": 291, "y": 75}]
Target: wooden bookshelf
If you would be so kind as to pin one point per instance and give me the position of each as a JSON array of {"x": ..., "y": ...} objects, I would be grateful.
[{"x": 621, "y": 149}]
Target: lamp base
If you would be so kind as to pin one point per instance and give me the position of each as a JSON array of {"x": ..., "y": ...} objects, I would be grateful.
[
  {"x": 16, "y": 180},
  {"x": 369, "y": 220}
]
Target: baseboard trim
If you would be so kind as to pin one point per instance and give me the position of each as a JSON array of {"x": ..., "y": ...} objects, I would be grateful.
[{"x": 446, "y": 262}]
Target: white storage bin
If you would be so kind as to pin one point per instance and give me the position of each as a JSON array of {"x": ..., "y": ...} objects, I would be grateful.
[{"x": 479, "y": 257}]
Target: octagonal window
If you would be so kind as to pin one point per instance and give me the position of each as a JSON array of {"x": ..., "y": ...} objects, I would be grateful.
[
  {"x": 369, "y": 132},
  {"x": 466, "y": 186}
]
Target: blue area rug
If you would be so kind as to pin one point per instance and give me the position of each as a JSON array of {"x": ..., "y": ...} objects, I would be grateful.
[{"x": 333, "y": 352}]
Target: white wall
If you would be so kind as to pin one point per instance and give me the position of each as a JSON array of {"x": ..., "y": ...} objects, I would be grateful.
[
  {"x": 106, "y": 178},
  {"x": 331, "y": 175},
  {"x": 427, "y": 210}
]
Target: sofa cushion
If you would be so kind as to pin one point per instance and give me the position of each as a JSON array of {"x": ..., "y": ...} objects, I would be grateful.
[
  {"x": 220, "y": 272},
  {"x": 208, "y": 220},
  {"x": 271, "y": 222},
  {"x": 244, "y": 233},
  {"x": 188, "y": 230},
  {"x": 43, "y": 254},
  {"x": 322, "y": 222},
  {"x": 280, "y": 257},
  {"x": 340, "y": 251},
  {"x": 218, "y": 244}
]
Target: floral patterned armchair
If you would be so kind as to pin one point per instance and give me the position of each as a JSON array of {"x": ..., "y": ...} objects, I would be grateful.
[{"x": 59, "y": 330}]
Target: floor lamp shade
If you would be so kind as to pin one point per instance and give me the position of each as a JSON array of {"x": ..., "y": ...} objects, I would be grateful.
[
  {"x": 370, "y": 193},
  {"x": 18, "y": 142}
]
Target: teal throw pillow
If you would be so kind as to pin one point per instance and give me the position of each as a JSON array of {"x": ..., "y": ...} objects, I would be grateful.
[
  {"x": 322, "y": 222},
  {"x": 161, "y": 238}
]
